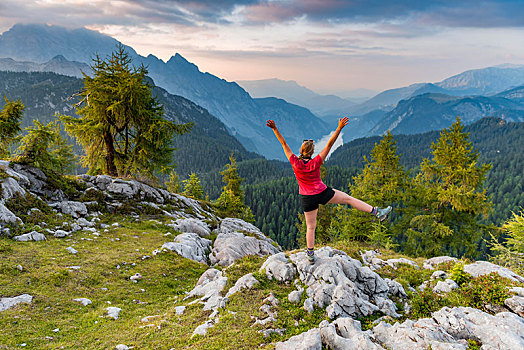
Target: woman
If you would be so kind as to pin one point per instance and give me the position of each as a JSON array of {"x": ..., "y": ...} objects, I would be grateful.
[{"x": 311, "y": 187}]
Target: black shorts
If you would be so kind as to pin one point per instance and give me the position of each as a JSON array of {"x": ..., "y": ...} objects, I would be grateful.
[{"x": 311, "y": 202}]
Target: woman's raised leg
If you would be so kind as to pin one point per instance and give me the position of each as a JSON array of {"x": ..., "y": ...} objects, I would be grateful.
[
  {"x": 344, "y": 198},
  {"x": 311, "y": 223}
]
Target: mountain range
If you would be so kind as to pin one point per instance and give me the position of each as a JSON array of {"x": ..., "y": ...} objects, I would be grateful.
[
  {"x": 243, "y": 116},
  {"x": 493, "y": 91}
]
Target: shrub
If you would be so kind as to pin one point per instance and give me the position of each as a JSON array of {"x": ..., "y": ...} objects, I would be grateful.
[
  {"x": 458, "y": 275},
  {"x": 486, "y": 290},
  {"x": 426, "y": 302}
]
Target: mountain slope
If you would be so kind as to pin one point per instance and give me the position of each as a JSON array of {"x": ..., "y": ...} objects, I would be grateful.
[
  {"x": 290, "y": 91},
  {"x": 58, "y": 64},
  {"x": 484, "y": 81},
  {"x": 206, "y": 147},
  {"x": 436, "y": 111},
  {"x": 227, "y": 101}
]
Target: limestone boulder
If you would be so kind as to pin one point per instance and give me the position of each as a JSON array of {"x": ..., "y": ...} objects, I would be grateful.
[
  {"x": 279, "y": 267},
  {"x": 236, "y": 239},
  {"x": 515, "y": 304},
  {"x": 346, "y": 333},
  {"x": 245, "y": 282},
  {"x": 7, "y": 216},
  {"x": 309, "y": 340},
  {"x": 8, "y": 303},
  {"x": 209, "y": 287},
  {"x": 505, "y": 330},
  {"x": 11, "y": 188},
  {"x": 73, "y": 208},
  {"x": 31, "y": 236},
  {"x": 190, "y": 246},
  {"x": 341, "y": 284},
  {"x": 192, "y": 225},
  {"x": 445, "y": 286},
  {"x": 422, "y": 334},
  {"x": 481, "y": 268}
]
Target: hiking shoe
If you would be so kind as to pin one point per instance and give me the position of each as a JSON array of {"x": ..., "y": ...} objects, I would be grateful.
[
  {"x": 310, "y": 256},
  {"x": 382, "y": 213}
]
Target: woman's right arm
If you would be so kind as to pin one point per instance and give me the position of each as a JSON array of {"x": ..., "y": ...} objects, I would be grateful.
[
  {"x": 270, "y": 123},
  {"x": 342, "y": 122}
]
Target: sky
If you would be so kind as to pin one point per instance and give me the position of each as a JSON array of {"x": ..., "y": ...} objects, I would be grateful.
[{"x": 330, "y": 46}]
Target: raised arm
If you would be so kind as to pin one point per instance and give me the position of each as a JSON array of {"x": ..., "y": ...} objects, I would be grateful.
[
  {"x": 280, "y": 138},
  {"x": 342, "y": 122}
]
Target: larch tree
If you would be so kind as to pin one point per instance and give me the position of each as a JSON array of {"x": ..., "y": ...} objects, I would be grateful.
[
  {"x": 121, "y": 125},
  {"x": 382, "y": 182},
  {"x": 192, "y": 187},
  {"x": 231, "y": 200},
  {"x": 452, "y": 197},
  {"x": 10, "y": 118}
]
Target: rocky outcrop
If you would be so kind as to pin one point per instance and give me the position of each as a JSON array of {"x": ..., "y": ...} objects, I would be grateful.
[
  {"x": 190, "y": 246},
  {"x": 236, "y": 239},
  {"x": 369, "y": 258},
  {"x": 481, "y": 268},
  {"x": 342, "y": 285},
  {"x": 278, "y": 267},
  {"x": 31, "y": 236},
  {"x": 191, "y": 225},
  {"x": 505, "y": 330},
  {"x": 244, "y": 282},
  {"x": 209, "y": 287}
]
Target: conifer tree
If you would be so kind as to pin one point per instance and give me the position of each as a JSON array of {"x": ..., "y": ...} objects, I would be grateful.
[
  {"x": 121, "y": 125},
  {"x": 10, "y": 118},
  {"x": 173, "y": 184},
  {"x": 510, "y": 253},
  {"x": 231, "y": 200},
  {"x": 44, "y": 147},
  {"x": 381, "y": 183},
  {"x": 192, "y": 187},
  {"x": 452, "y": 198}
]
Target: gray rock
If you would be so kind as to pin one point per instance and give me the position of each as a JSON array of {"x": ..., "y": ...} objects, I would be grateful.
[
  {"x": 395, "y": 262},
  {"x": 340, "y": 284},
  {"x": 346, "y": 333},
  {"x": 121, "y": 347},
  {"x": 190, "y": 246},
  {"x": 72, "y": 250},
  {"x": 244, "y": 282},
  {"x": 505, "y": 330},
  {"x": 84, "y": 223},
  {"x": 277, "y": 266},
  {"x": 179, "y": 310},
  {"x": 83, "y": 301},
  {"x": 202, "y": 329},
  {"x": 236, "y": 239},
  {"x": 445, "y": 286},
  {"x": 147, "y": 319},
  {"x": 481, "y": 268},
  {"x": 75, "y": 209},
  {"x": 295, "y": 296},
  {"x": 61, "y": 233},
  {"x": 309, "y": 305},
  {"x": 267, "y": 332},
  {"x": 192, "y": 225},
  {"x": 395, "y": 288},
  {"x": 31, "y": 236},
  {"x": 430, "y": 264},
  {"x": 209, "y": 286},
  {"x": 11, "y": 188},
  {"x": 439, "y": 275},
  {"x": 410, "y": 335},
  {"x": 7, "y": 216},
  {"x": 113, "y": 312},
  {"x": 517, "y": 290},
  {"x": 515, "y": 304},
  {"x": 309, "y": 340},
  {"x": 8, "y": 303}
]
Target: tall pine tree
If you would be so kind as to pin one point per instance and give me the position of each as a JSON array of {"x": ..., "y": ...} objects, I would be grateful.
[
  {"x": 192, "y": 187},
  {"x": 10, "y": 118},
  {"x": 452, "y": 197}
]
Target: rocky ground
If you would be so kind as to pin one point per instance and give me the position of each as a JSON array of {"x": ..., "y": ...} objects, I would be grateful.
[{"x": 101, "y": 263}]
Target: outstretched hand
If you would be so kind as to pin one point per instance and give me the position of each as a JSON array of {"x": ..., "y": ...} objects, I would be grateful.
[
  {"x": 271, "y": 124},
  {"x": 342, "y": 122}
]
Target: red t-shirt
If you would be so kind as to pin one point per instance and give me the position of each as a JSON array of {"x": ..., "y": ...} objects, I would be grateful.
[{"x": 308, "y": 175}]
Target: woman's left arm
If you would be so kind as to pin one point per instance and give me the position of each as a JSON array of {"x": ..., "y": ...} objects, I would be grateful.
[
  {"x": 342, "y": 122},
  {"x": 270, "y": 123}
]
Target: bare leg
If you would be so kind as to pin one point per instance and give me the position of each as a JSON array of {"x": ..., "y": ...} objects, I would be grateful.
[
  {"x": 344, "y": 198},
  {"x": 311, "y": 223}
]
